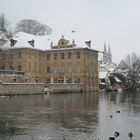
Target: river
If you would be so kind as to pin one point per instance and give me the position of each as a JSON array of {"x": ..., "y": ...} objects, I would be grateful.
[{"x": 76, "y": 116}]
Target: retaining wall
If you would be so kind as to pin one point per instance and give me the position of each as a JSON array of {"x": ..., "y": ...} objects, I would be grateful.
[
  {"x": 21, "y": 88},
  {"x": 66, "y": 88}
]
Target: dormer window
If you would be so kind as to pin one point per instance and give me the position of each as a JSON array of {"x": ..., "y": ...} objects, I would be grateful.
[
  {"x": 78, "y": 55},
  {"x": 13, "y": 42},
  {"x": 31, "y": 42},
  {"x": 62, "y": 43}
]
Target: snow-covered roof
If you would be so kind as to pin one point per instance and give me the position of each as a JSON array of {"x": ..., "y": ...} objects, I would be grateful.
[
  {"x": 111, "y": 70},
  {"x": 117, "y": 80},
  {"x": 41, "y": 42},
  {"x": 102, "y": 75},
  {"x": 109, "y": 66},
  {"x": 103, "y": 65}
]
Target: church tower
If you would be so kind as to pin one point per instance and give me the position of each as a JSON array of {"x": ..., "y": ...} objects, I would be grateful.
[{"x": 107, "y": 56}]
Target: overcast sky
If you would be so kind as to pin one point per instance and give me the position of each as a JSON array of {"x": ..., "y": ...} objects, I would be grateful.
[{"x": 116, "y": 22}]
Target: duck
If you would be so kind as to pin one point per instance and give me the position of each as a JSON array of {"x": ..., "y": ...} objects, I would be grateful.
[
  {"x": 116, "y": 134},
  {"x": 111, "y": 138},
  {"x": 130, "y": 134},
  {"x": 118, "y": 111}
]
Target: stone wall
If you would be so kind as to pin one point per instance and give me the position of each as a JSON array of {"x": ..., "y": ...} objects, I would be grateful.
[
  {"x": 21, "y": 88},
  {"x": 11, "y": 78},
  {"x": 66, "y": 88}
]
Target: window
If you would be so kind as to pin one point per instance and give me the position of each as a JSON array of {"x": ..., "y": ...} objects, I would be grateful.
[
  {"x": 48, "y": 69},
  {"x": 62, "y": 56},
  {"x": 3, "y": 67},
  {"x": 69, "y": 55},
  {"x": 19, "y": 67},
  {"x": 11, "y": 67},
  {"x": 15, "y": 79},
  {"x": 48, "y": 56},
  {"x": 55, "y": 56},
  {"x": 69, "y": 69},
  {"x": 26, "y": 80},
  {"x": 54, "y": 69},
  {"x": 78, "y": 80},
  {"x": 78, "y": 68},
  {"x": 48, "y": 80},
  {"x": 61, "y": 69},
  {"x": 69, "y": 80},
  {"x": 78, "y": 55},
  {"x": 36, "y": 79},
  {"x": 19, "y": 54},
  {"x": 55, "y": 80},
  {"x": 61, "y": 80},
  {"x": 62, "y": 43}
]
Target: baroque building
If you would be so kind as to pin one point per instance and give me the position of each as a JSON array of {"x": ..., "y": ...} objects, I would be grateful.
[{"x": 64, "y": 62}]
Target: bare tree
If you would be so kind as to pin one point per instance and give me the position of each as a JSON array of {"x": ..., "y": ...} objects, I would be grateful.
[
  {"x": 128, "y": 60},
  {"x": 33, "y": 27},
  {"x": 131, "y": 59},
  {"x": 133, "y": 75},
  {"x": 3, "y": 23},
  {"x": 5, "y": 33}
]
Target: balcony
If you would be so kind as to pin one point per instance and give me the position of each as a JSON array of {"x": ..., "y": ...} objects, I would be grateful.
[{"x": 12, "y": 72}]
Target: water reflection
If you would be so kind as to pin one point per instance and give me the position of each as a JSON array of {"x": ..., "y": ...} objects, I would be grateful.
[
  {"x": 70, "y": 116},
  {"x": 54, "y": 116}
]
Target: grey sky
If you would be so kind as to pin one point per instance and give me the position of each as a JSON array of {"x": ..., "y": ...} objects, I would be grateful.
[{"x": 112, "y": 21}]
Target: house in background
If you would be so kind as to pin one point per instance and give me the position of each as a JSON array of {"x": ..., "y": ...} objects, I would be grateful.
[
  {"x": 104, "y": 81},
  {"x": 122, "y": 65},
  {"x": 105, "y": 67},
  {"x": 109, "y": 76}
]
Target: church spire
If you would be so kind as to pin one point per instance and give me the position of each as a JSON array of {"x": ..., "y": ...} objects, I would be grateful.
[
  {"x": 105, "y": 51},
  {"x": 109, "y": 50}
]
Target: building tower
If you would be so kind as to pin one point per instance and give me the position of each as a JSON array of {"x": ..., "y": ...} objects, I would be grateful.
[{"x": 107, "y": 56}]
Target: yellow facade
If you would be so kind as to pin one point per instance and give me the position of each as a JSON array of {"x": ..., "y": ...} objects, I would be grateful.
[{"x": 63, "y": 63}]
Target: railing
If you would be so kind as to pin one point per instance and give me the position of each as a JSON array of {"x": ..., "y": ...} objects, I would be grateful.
[{"x": 12, "y": 72}]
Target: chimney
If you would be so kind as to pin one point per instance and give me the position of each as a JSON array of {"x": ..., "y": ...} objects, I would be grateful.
[
  {"x": 88, "y": 43},
  {"x": 12, "y": 42},
  {"x": 31, "y": 42}
]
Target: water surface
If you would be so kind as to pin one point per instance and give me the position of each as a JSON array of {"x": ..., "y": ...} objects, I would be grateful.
[{"x": 76, "y": 116}]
